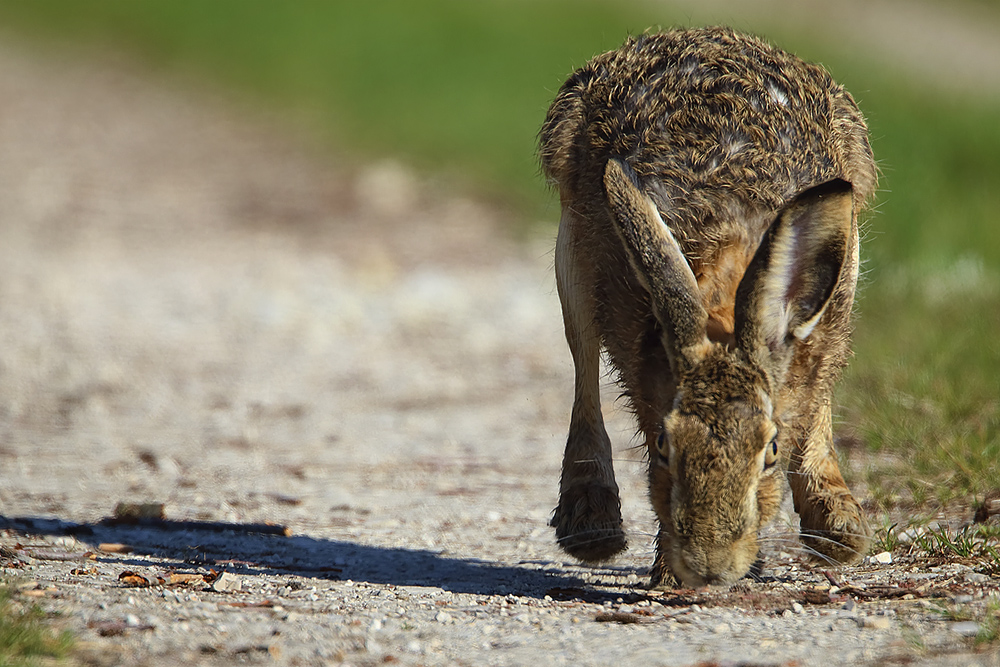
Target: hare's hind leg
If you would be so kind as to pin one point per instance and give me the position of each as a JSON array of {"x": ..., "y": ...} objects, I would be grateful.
[{"x": 588, "y": 519}]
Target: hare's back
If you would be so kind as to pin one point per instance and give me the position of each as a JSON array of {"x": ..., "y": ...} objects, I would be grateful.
[{"x": 715, "y": 123}]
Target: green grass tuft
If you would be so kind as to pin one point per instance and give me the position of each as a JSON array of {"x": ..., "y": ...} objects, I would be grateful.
[
  {"x": 25, "y": 635},
  {"x": 974, "y": 542}
]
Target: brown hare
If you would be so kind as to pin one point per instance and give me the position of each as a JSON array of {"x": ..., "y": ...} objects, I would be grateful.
[{"x": 710, "y": 188}]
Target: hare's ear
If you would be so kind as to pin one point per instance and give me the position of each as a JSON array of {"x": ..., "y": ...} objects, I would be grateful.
[
  {"x": 660, "y": 266},
  {"x": 791, "y": 278}
]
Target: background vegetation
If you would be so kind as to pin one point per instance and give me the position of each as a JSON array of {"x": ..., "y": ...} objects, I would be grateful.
[
  {"x": 25, "y": 634},
  {"x": 460, "y": 88}
]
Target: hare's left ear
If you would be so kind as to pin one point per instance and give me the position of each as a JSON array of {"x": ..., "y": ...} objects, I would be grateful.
[{"x": 791, "y": 278}]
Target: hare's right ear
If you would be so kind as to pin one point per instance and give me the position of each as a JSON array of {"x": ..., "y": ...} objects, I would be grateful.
[
  {"x": 660, "y": 266},
  {"x": 791, "y": 278}
]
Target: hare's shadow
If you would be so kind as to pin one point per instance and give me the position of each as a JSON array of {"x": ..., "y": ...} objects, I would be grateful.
[{"x": 248, "y": 549}]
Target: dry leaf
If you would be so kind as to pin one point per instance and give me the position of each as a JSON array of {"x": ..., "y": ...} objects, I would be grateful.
[
  {"x": 186, "y": 578},
  {"x": 117, "y": 628},
  {"x": 114, "y": 548},
  {"x": 282, "y": 499},
  {"x": 617, "y": 617},
  {"x": 55, "y": 555},
  {"x": 108, "y": 628},
  {"x": 816, "y": 596},
  {"x": 138, "y": 580}
]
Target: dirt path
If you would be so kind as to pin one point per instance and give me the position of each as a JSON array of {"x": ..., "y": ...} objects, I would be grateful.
[{"x": 198, "y": 312}]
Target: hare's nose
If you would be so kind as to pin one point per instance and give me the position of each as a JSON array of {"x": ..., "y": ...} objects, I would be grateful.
[
  {"x": 712, "y": 580},
  {"x": 712, "y": 569}
]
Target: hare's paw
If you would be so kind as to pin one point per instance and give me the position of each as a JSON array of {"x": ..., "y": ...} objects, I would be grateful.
[
  {"x": 661, "y": 577},
  {"x": 834, "y": 526},
  {"x": 588, "y": 522}
]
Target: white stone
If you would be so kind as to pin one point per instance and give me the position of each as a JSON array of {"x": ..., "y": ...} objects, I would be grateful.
[
  {"x": 876, "y": 622},
  {"x": 965, "y": 628}
]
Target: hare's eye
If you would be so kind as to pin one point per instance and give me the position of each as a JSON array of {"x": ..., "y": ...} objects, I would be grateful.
[
  {"x": 771, "y": 453},
  {"x": 662, "y": 449}
]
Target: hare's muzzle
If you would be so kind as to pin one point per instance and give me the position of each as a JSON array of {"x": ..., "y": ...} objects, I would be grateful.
[{"x": 697, "y": 565}]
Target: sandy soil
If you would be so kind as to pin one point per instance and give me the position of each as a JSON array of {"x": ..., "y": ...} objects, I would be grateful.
[{"x": 349, "y": 390}]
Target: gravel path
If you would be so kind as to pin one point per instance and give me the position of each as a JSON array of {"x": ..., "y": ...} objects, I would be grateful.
[{"x": 349, "y": 391}]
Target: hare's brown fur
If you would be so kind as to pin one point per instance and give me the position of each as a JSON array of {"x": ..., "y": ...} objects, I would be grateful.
[{"x": 717, "y": 135}]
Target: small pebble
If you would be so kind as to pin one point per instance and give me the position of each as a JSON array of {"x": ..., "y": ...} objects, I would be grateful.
[
  {"x": 797, "y": 608},
  {"x": 884, "y": 558},
  {"x": 965, "y": 628},
  {"x": 875, "y": 622},
  {"x": 227, "y": 583}
]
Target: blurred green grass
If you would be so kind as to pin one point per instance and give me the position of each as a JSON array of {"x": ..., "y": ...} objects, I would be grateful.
[
  {"x": 460, "y": 88},
  {"x": 449, "y": 85},
  {"x": 25, "y": 636}
]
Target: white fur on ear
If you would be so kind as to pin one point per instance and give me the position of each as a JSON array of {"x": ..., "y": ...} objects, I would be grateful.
[
  {"x": 775, "y": 304},
  {"x": 665, "y": 235},
  {"x": 799, "y": 266},
  {"x": 659, "y": 264},
  {"x": 803, "y": 330}
]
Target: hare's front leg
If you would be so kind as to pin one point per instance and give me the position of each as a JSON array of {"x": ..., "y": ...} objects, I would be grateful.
[
  {"x": 588, "y": 519},
  {"x": 831, "y": 520}
]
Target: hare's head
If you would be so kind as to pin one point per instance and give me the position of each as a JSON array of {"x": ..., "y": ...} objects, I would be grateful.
[
  {"x": 714, "y": 481},
  {"x": 714, "y": 478}
]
